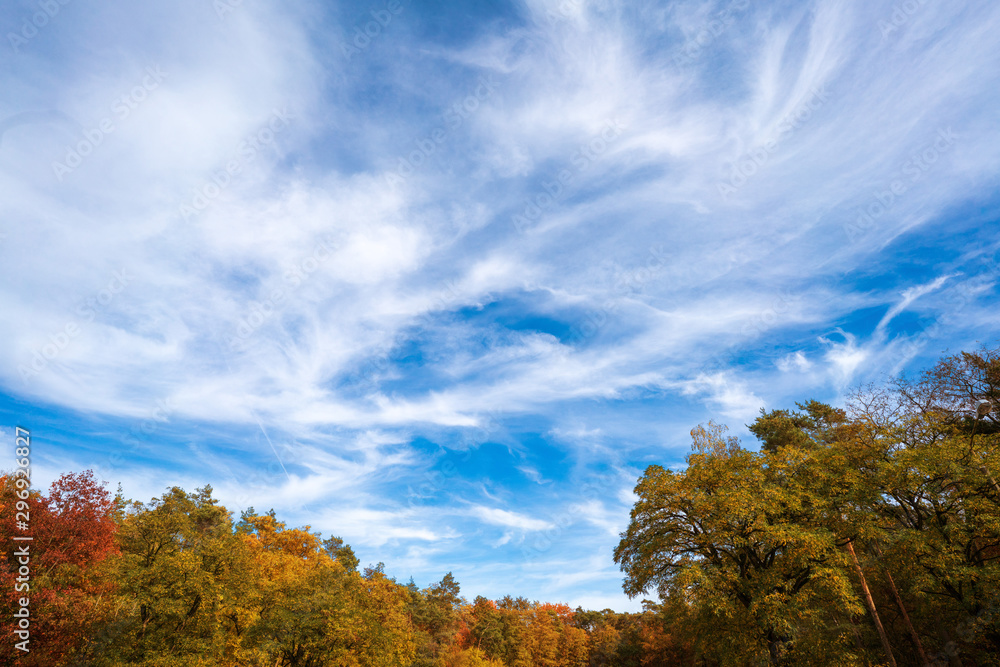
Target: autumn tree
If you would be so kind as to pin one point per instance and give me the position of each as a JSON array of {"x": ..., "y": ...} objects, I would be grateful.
[
  {"x": 177, "y": 553},
  {"x": 935, "y": 451},
  {"x": 669, "y": 634},
  {"x": 435, "y": 613},
  {"x": 737, "y": 533},
  {"x": 72, "y": 530}
]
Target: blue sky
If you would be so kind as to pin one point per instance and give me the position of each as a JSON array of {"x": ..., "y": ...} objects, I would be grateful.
[{"x": 446, "y": 288}]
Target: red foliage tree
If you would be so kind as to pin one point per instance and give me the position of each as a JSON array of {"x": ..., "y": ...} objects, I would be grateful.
[{"x": 72, "y": 531}]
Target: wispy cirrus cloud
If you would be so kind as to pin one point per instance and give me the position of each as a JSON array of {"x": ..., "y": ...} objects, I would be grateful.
[{"x": 448, "y": 379}]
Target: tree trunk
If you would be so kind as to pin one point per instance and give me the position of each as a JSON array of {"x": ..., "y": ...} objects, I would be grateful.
[
  {"x": 902, "y": 609},
  {"x": 774, "y": 647},
  {"x": 870, "y": 603}
]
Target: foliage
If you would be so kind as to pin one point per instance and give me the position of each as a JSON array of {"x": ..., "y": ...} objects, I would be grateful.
[
  {"x": 855, "y": 535},
  {"x": 73, "y": 534},
  {"x": 862, "y": 535}
]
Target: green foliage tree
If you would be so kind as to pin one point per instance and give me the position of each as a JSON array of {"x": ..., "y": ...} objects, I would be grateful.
[
  {"x": 435, "y": 612},
  {"x": 740, "y": 533},
  {"x": 177, "y": 553}
]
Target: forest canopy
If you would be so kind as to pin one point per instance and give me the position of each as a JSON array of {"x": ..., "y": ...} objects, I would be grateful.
[{"x": 867, "y": 534}]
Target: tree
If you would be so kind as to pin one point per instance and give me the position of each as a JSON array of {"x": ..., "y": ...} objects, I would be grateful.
[
  {"x": 177, "y": 554},
  {"x": 72, "y": 531},
  {"x": 819, "y": 424},
  {"x": 486, "y": 627},
  {"x": 336, "y": 549},
  {"x": 737, "y": 532},
  {"x": 436, "y": 614},
  {"x": 933, "y": 459}
]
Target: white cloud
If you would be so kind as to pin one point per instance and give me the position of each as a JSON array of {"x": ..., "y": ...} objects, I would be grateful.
[
  {"x": 908, "y": 296},
  {"x": 504, "y": 539},
  {"x": 730, "y": 396},
  {"x": 499, "y": 517},
  {"x": 794, "y": 360},
  {"x": 533, "y": 474},
  {"x": 844, "y": 357},
  {"x": 433, "y": 310}
]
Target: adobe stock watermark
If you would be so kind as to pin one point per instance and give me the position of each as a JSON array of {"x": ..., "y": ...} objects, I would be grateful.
[
  {"x": 565, "y": 10},
  {"x": 628, "y": 283},
  {"x": 434, "y": 480},
  {"x": 59, "y": 340},
  {"x": 138, "y": 435},
  {"x": 756, "y": 325},
  {"x": 599, "y": 489},
  {"x": 261, "y": 482},
  {"x": 945, "y": 322},
  {"x": 246, "y": 152},
  {"x": 122, "y": 108},
  {"x": 588, "y": 153},
  {"x": 379, "y": 364},
  {"x": 48, "y": 10},
  {"x": 453, "y": 118},
  {"x": 707, "y": 33},
  {"x": 965, "y": 632},
  {"x": 901, "y": 13},
  {"x": 261, "y": 312},
  {"x": 767, "y": 318},
  {"x": 911, "y": 171},
  {"x": 22, "y": 480},
  {"x": 746, "y": 166},
  {"x": 364, "y": 35},
  {"x": 224, "y": 8}
]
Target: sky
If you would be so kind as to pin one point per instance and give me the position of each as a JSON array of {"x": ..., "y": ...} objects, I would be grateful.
[{"x": 443, "y": 278}]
